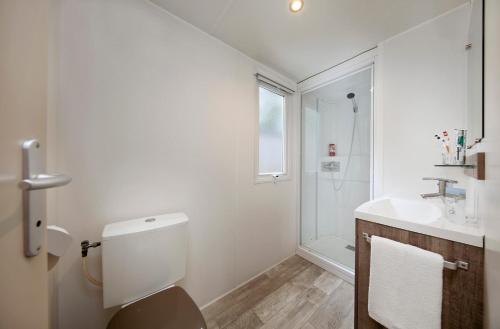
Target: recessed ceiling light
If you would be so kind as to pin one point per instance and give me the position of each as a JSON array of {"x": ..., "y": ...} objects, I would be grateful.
[{"x": 296, "y": 5}]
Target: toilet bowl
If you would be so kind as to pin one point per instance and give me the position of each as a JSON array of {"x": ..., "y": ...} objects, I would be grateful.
[
  {"x": 172, "y": 308},
  {"x": 141, "y": 261}
]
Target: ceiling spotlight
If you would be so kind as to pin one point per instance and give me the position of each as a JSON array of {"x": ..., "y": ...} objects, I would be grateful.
[{"x": 296, "y": 5}]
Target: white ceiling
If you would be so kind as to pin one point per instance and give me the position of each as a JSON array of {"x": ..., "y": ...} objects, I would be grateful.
[{"x": 323, "y": 34}]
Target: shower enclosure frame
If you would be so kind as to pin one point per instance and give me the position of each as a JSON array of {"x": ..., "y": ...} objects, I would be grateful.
[{"x": 364, "y": 61}]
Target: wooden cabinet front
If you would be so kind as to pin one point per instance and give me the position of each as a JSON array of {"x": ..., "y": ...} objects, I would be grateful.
[{"x": 462, "y": 290}]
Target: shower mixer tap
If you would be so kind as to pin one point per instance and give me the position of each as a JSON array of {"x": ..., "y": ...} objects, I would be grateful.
[{"x": 330, "y": 166}]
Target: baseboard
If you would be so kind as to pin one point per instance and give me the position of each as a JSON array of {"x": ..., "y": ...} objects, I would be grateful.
[
  {"x": 322, "y": 262},
  {"x": 245, "y": 282}
]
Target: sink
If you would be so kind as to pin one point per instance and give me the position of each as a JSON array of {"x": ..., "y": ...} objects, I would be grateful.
[
  {"x": 406, "y": 210},
  {"x": 421, "y": 216}
]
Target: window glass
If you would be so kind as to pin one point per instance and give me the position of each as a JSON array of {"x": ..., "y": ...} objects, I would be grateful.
[{"x": 271, "y": 132}]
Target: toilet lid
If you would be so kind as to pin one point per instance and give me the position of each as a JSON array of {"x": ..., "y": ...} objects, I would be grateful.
[{"x": 172, "y": 308}]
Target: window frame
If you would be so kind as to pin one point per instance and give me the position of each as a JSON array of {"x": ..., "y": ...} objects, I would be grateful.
[{"x": 285, "y": 175}]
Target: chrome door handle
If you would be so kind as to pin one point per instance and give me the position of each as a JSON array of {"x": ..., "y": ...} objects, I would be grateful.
[
  {"x": 33, "y": 200},
  {"x": 44, "y": 181}
]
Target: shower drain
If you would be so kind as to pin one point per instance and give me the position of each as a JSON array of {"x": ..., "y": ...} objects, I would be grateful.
[{"x": 350, "y": 247}]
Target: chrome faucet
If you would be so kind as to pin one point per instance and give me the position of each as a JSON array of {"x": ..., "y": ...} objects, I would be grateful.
[{"x": 443, "y": 185}]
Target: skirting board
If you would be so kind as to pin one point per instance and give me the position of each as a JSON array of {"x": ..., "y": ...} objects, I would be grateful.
[
  {"x": 244, "y": 283},
  {"x": 322, "y": 262}
]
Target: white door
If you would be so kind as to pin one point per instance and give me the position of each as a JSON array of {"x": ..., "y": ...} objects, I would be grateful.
[{"x": 23, "y": 102}]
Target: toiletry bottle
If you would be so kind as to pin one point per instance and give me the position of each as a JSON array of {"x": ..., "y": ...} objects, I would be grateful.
[
  {"x": 332, "y": 150},
  {"x": 460, "y": 140}
]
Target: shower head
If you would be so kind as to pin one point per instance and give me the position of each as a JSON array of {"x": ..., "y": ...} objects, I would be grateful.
[{"x": 354, "y": 104}]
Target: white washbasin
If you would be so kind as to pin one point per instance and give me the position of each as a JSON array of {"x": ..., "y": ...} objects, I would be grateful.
[
  {"x": 421, "y": 216},
  {"x": 407, "y": 210}
]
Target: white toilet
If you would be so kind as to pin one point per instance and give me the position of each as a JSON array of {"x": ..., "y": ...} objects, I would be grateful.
[{"x": 142, "y": 259}]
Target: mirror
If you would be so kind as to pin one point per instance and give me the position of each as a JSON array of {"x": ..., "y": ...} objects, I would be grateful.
[{"x": 475, "y": 68}]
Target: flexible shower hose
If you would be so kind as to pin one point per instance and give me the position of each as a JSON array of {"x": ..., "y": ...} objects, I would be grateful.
[{"x": 342, "y": 181}]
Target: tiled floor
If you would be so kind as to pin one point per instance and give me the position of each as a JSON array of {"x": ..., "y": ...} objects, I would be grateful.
[{"x": 295, "y": 294}]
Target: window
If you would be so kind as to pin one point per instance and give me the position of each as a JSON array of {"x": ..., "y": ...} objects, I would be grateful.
[{"x": 272, "y": 133}]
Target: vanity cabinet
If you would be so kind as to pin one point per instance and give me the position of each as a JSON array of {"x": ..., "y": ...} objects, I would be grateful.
[{"x": 462, "y": 289}]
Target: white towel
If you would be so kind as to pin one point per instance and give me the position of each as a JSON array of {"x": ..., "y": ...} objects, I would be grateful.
[{"x": 406, "y": 285}]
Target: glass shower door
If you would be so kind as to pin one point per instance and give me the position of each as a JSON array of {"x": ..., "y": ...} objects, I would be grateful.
[{"x": 336, "y": 153}]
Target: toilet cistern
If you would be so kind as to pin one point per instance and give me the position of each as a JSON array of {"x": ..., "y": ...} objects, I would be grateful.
[
  {"x": 142, "y": 256},
  {"x": 142, "y": 260}
]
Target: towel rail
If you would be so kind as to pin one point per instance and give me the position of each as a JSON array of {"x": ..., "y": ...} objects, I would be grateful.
[{"x": 458, "y": 264}]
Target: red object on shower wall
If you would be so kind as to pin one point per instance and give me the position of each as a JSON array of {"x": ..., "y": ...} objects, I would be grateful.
[{"x": 331, "y": 149}]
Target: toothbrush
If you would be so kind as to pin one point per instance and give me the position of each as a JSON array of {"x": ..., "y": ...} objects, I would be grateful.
[
  {"x": 446, "y": 147},
  {"x": 444, "y": 144},
  {"x": 445, "y": 151},
  {"x": 447, "y": 141}
]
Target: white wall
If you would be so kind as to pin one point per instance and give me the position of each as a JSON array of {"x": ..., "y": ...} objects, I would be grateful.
[
  {"x": 150, "y": 115},
  {"x": 423, "y": 75},
  {"x": 489, "y": 196}
]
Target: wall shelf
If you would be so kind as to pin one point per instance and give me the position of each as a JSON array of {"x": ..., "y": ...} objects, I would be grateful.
[
  {"x": 474, "y": 166},
  {"x": 455, "y": 165}
]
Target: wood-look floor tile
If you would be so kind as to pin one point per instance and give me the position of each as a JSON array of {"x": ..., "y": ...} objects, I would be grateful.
[
  {"x": 327, "y": 282},
  {"x": 307, "y": 277},
  {"x": 349, "y": 322},
  {"x": 307, "y": 326},
  {"x": 277, "y": 278},
  {"x": 275, "y": 301},
  {"x": 293, "y": 316},
  {"x": 211, "y": 324},
  {"x": 248, "y": 320},
  {"x": 335, "y": 312},
  {"x": 314, "y": 295},
  {"x": 211, "y": 311},
  {"x": 295, "y": 294},
  {"x": 287, "y": 265}
]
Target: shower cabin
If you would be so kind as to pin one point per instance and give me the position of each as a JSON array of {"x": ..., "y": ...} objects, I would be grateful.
[{"x": 336, "y": 167}]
